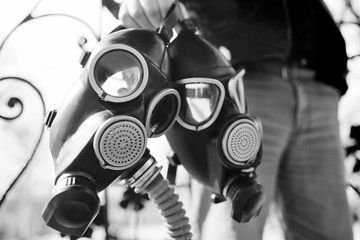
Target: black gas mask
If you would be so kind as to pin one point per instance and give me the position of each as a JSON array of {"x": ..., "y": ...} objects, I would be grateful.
[
  {"x": 214, "y": 138},
  {"x": 100, "y": 132}
]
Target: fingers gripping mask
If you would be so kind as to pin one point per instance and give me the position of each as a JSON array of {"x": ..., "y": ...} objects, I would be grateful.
[
  {"x": 100, "y": 131},
  {"x": 214, "y": 138}
]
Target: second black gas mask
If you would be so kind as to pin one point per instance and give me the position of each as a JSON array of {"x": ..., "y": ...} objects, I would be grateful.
[
  {"x": 100, "y": 131},
  {"x": 214, "y": 138}
]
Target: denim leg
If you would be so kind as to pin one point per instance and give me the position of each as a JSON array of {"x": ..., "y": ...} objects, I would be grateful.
[
  {"x": 311, "y": 186},
  {"x": 301, "y": 164},
  {"x": 272, "y": 100}
]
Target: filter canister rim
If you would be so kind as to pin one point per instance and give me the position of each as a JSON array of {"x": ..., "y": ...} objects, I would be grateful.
[{"x": 120, "y": 142}]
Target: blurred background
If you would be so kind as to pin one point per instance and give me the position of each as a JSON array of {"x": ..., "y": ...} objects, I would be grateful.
[{"x": 39, "y": 61}]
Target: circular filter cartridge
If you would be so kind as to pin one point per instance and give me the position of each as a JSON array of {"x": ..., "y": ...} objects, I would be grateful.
[
  {"x": 241, "y": 142},
  {"x": 120, "y": 142}
]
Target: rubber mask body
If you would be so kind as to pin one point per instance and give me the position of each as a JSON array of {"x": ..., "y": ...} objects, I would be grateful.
[
  {"x": 216, "y": 150},
  {"x": 100, "y": 132}
]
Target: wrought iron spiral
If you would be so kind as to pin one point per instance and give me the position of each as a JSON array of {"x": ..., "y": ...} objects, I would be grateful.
[{"x": 12, "y": 106}]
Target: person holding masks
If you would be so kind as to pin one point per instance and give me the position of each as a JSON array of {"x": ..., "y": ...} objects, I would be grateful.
[{"x": 295, "y": 66}]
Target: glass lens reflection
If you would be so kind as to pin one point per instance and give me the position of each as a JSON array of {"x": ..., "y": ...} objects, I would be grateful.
[
  {"x": 122, "y": 83},
  {"x": 163, "y": 114},
  {"x": 118, "y": 73},
  {"x": 200, "y": 102}
]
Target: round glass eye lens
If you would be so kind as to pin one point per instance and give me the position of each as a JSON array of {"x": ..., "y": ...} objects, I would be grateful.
[
  {"x": 199, "y": 102},
  {"x": 118, "y": 73},
  {"x": 163, "y": 114}
]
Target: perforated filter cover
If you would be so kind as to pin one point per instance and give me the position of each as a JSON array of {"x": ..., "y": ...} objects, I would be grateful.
[
  {"x": 120, "y": 142},
  {"x": 241, "y": 142}
]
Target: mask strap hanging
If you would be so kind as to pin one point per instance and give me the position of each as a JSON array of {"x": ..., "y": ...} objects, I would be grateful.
[
  {"x": 175, "y": 19},
  {"x": 174, "y": 162},
  {"x": 169, "y": 21}
]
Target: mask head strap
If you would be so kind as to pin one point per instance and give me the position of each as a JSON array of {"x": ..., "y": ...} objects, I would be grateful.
[{"x": 175, "y": 19}]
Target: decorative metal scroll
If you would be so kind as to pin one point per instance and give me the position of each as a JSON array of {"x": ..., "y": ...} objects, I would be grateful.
[
  {"x": 12, "y": 106},
  {"x": 30, "y": 17}
]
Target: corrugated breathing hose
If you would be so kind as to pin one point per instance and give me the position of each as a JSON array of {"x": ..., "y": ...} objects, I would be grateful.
[{"x": 148, "y": 179}]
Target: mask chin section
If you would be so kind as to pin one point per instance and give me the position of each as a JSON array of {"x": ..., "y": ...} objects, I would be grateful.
[
  {"x": 247, "y": 197},
  {"x": 74, "y": 205}
]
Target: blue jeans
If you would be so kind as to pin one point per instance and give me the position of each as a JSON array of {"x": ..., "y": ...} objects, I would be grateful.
[{"x": 302, "y": 167}]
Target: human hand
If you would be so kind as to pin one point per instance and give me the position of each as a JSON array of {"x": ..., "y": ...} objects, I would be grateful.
[{"x": 146, "y": 14}]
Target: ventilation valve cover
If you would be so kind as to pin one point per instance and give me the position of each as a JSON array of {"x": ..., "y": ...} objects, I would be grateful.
[
  {"x": 120, "y": 142},
  {"x": 241, "y": 142}
]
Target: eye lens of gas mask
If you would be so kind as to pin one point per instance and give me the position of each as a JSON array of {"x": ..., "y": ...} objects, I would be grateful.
[
  {"x": 118, "y": 82},
  {"x": 162, "y": 112},
  {"x": 202, "y": 101}
]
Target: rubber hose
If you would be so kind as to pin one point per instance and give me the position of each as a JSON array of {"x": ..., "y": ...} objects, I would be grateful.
[{"x": 162, "y": 194}]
